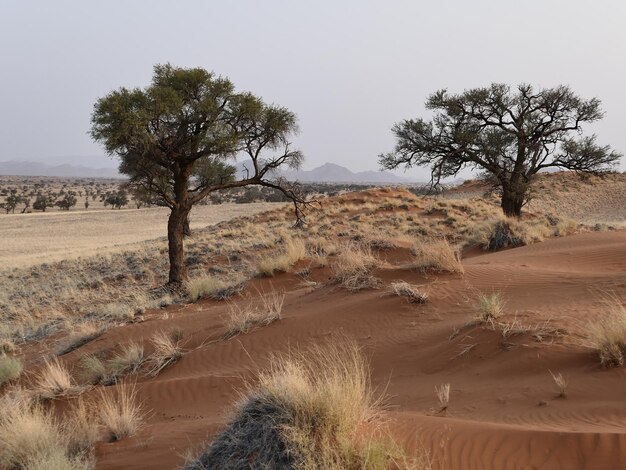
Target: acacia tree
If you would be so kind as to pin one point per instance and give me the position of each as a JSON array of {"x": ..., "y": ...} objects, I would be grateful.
[
  {"x": 509, "y": 134},
  {"x": 176, "y": 139}
]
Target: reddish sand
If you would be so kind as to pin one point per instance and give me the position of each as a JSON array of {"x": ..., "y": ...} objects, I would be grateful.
[{"x": 503, "y": 412}]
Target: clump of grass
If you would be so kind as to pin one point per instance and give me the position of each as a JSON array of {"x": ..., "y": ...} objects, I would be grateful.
[
  {"x": 606, "y": 334},
  {"x": 54, "y": 381},
  {"x": 353, "y": 268},
  {"x": 167, "y": 350},
  {"x": 489, "y": 308},
  {"x": 10, "y": 369},
  {"x": 94, "y": 370},
  {"x": 117, "y": 311},
  {"x": 294, "y": 250},
  {"x": 561, "y": 382},
  {"x": 81, "y": 335},
  {"x": 443, "y": 396},
  {"x": 307, "y": 411},
  {"x": 120, "y": 413},
  {"x": 31, "y": 438},
  {"x": 127, "y": 361},
  {"x": 410, "y": 292},
  {"x": 213, "y": 287},
  {"x": 437, "y": 255},
  {"x": 243, "y": 319}
]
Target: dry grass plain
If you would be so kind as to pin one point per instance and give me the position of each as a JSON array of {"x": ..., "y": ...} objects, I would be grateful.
[{"x": 29, "y": 239}]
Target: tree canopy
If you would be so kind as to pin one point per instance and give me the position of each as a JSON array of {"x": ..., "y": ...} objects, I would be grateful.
[
  {"x": 179, "y": 137},
  {"x": 511, "y": 134}
]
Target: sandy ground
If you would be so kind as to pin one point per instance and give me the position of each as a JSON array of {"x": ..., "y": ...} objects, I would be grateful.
[
  {"x": 504, "y": 411},
  {"x": 28, "y": 239}
]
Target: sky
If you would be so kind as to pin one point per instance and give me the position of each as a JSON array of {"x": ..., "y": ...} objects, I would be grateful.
[{"x": 349, "y": 69}]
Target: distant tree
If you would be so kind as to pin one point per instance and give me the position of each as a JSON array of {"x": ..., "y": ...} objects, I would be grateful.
[
  {"x": 116, "y": 200},
  {"x": 26, "y": 202},
  {"x": 175, "y": 138},
  {"x": 42, "y": 202},
  {"x": 86, "y": 203},
  {"x": 509, "y": 134},
  {"x": 66, "y": 202},
  {"x": 11, "y": 202}
]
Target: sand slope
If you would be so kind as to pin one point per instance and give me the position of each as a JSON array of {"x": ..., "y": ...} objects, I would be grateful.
[{"x": 503, "y": 414}]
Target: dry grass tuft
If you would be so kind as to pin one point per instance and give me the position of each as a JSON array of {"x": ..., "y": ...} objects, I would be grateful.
[
  {"x": 243, "y": 319},
  {"x": 353, "y": 268},
  {"x": 120, "y": 413},
  {"x": 606, "y": 334},
  {"x": 294, "y": 251},
  {"x": 561, "y": 382},
  {"x": 437, "y": 255},
  {"x": 489, "y": 308},
  {"x": 410, "y": 292},
  {"x": 443, "y": 396},
  {"x": 127, "y": 361},
  {"x": 167, "y": 350},
  {"x": 307, "y": 411},
  {"x": 31, "y": 438},
  {"x": 54, "y": 381},
  {"x": 213, "y": 287},
  {"x": 10, "y": 369},
  {"x": 81, "y": 335}
]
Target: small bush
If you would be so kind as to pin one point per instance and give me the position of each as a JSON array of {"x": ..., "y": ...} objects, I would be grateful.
[
  {"x": 246, "y": 318},
  {"x": 410, "y": 292},
  {"x": 308, "y": 411},
  {"x": 10, "y": 369},
  {"x": 120, "y": 413},
  {"x": 127, "y": 361},
  {"x": 437, "y": 255}
]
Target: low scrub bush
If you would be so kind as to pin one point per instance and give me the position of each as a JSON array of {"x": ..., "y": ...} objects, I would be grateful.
[
  {"x": 213, "y": 287},
  {"x": 167, "y": 351},
  {"x": 489, "y": 308},
  {"x": 294, "y": 251},
  {"x": 54, "y": 381}
]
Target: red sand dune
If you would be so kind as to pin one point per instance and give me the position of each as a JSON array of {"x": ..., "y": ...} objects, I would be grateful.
[{"x": 503, "y": 412}]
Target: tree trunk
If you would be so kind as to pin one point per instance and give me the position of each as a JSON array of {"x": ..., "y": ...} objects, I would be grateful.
[
  {"x": 186, "y": 228},
  {"x": 176, "y": 226},
  {"x": 175, "y": 236},
  {"x": 512, "y": 201}
]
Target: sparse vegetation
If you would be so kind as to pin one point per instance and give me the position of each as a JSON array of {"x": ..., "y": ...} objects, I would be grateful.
[
  {"x": 489, "y": 308},
  {"x": 213, "y": 287},
  {"x": 242, "y": 319},
  {"x": 561, "y": 383},
  {"x": 443, "y": 397},
  {"x": 294, "y": 251}
]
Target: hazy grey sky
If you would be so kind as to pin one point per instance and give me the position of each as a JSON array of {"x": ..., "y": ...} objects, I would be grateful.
[{"x": 349, "y": 69}]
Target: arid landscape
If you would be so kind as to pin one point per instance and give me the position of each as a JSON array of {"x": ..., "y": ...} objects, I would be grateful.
[{"x": 473, "y": 357}]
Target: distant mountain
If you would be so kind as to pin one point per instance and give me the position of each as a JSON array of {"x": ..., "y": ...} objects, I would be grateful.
[
  {"x": 333, "y": 173},
  {"x": 15, "y": 168}
]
